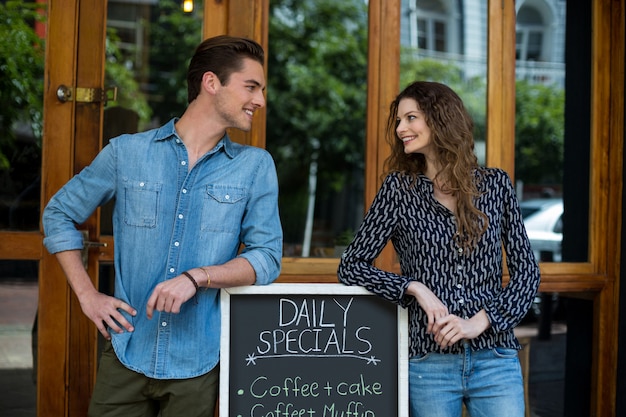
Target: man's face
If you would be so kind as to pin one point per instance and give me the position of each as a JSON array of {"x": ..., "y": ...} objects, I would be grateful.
[{"x": 242, "y": 95}]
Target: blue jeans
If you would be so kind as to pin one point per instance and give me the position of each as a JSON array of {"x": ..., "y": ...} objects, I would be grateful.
[{"x": 488, "y": 381}]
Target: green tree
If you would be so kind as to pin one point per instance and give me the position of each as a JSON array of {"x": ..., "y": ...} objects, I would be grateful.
[
  {"x": 539, "y": 133},
  {"x": 21, "y": 76},
  {"x": 317, "y": 94},
  {"x": 173, "y": 36},
  {"x": 118, "y": 74}
]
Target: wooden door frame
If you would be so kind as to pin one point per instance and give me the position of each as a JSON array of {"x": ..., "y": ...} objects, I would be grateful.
[{"x": 67, "y": 340}]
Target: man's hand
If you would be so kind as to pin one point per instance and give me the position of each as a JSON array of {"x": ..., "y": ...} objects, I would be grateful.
[
  {"x": 170, "y": 295},
  {"x": 104, "y": 311}
]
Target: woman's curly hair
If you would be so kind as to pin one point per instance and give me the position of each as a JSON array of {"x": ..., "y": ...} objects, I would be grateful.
[{"x": 452, "y": 138}]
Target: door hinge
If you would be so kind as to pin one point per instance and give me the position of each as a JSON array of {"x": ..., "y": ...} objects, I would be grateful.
[{"x": 86, "y": 95}]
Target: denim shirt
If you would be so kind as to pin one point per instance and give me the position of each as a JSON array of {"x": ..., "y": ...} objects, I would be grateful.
[
  {"x": 422, "y": 231},
  {"x": 168, "y": 219}
]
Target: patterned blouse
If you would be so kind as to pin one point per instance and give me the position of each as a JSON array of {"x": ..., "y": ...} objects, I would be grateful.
[{"x": 421, "y": 230}]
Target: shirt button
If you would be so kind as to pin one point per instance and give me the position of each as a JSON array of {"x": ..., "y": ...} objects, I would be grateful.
[
  {"x": 164, "y": 324},
  {"x": 176, "y": 244},
  {"x": 183, "y": 162},
  {"x": 171, "y": 269},
  {"x": 177, "y": 140},
  {"x": 141, "y": 184},
  {"x": 180, "y": 216},
  {"x": 227, "y": 197},
  {"x": 184, "y": 191}
]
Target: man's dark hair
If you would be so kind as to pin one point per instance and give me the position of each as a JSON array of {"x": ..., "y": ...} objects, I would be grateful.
[{"x": 221, "y": 55}]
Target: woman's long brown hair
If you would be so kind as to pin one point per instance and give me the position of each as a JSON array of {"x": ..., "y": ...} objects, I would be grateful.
[{"x": 452, "y": 136}]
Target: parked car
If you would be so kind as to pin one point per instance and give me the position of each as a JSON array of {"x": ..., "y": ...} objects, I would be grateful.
[{"x": 543, "y": 218}]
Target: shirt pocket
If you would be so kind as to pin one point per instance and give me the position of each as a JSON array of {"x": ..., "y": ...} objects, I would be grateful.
[
  {"x": 141, "y": 203},
  {"x": 223, "y": 208}
]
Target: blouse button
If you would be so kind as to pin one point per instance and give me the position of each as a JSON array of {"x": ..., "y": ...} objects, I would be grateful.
[{"x": 461, "y": 301}]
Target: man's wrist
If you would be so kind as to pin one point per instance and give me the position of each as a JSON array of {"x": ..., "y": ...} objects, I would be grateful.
[{"x": 208, "y": 277}]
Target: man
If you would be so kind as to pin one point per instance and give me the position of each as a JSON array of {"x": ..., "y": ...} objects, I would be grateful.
[{"x": 186, "y": 198}]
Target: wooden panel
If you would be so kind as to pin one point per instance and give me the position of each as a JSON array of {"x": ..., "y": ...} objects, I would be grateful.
[
  {"x": 606, "y": 186},
  {"x": 500, "y": 145},
  {"x": 82, "y": 342},
  {"x": 56, "y": 170},
  {"x": 20, "y": 245},
  {"x": 383, "y": 87}
]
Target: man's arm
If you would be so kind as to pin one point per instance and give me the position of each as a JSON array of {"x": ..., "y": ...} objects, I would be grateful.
[
  {"x": 100, "y": 308},
  {"x": 170, "y": 295}
]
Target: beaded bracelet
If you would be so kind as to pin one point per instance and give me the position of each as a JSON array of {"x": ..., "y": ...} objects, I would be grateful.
[{"x": 195, "y": 284}]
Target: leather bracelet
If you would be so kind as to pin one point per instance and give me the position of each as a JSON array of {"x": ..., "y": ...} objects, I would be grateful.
[
  {"x": 208, "y": 277},
  {"x": 195, "y": 284}
]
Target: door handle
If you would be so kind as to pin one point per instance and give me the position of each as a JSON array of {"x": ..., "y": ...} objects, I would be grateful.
[{"x": 89, "y": 244}]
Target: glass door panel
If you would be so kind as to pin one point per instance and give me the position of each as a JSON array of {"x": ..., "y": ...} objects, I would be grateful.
[
  {"x": 316, "y": 104},
  {"x": 446, "y": 42}
]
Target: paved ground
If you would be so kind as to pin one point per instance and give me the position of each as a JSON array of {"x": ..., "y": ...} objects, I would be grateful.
[{"x": 18, "y": 304}]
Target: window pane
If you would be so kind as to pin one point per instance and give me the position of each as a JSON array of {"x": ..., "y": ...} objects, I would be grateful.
[
  {"x": 539, "y": 126},
  {"x": 149, "y": 44},
  {"x": 316, "y": 101},
  {"x": 453, "y": 51},
  {"x": 21, "y": 115}
]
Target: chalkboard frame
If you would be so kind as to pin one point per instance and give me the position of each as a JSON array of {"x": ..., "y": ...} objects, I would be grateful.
[{"x": 306, "y": 289}]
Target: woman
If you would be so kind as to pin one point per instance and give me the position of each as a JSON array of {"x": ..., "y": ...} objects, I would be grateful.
[{"x": 448, "y": 220}]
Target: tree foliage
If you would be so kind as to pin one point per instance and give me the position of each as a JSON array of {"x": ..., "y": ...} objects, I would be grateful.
[
  {"x": 539, "y": 133},
  {"x": 317, "y": 94},
  {"x": 21, "y": 76},
  {"x": 174, "y": 36}
]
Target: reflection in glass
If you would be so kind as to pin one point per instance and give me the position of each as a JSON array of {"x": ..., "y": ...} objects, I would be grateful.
[
  {"x": 540, "y": 122},
  {"x": 446, "y": 41},
  {"x": 149, "y": 44},
  {"x": 21, "y": 114},
  {"x": 316, "y": 101}
]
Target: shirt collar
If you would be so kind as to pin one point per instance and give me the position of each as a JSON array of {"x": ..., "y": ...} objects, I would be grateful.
[{"x": 168, "y": 131}]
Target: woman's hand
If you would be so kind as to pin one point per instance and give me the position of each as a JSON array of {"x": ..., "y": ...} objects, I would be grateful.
[
  {"x": 450, "y": 329},
  {"x": 430, "y": 303}
]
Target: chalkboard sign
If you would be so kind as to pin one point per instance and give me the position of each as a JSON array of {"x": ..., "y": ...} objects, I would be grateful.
[{"x": 312, "y": 350}]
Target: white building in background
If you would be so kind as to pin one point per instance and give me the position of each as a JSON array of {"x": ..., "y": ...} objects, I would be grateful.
[{"x": 456, "y": 31}]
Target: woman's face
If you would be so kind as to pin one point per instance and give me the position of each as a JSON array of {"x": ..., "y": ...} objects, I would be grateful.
[{"x": 412, "y": 128}]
